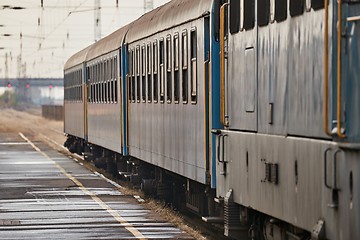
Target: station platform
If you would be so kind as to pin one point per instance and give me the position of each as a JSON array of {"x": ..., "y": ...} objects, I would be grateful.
[{"x": 44, "y": 194}]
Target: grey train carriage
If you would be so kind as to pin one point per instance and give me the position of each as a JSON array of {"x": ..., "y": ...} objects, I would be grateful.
[
  {"x": 244, "y": 112},
  {"x": 145, "y": 103},
  {"x": 288, "y": 154}
]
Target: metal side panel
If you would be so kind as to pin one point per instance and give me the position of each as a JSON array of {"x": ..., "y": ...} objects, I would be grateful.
[
  {"x": 74, "y": 119},
  {"x": 242, "y": 81},
  {"x": 299, "y": 195},
  {"x": 171, "y": 135},
  {"x": 104, "y": 126}
]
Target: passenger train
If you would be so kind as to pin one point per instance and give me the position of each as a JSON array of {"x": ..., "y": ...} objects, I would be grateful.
[{"x": 245, "y": 112}]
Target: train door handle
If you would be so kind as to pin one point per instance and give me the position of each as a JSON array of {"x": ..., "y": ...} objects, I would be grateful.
[
  {"x": 334, "y": 189},
  {"x": 325, "y": 168},
  {"x": 334, "y": 178},
  {"x": 221, "y": 150}
]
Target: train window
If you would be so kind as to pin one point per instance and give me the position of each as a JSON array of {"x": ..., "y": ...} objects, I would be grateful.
[
  {"x": 91, "y": 83},
  {"x": 77, "y": 86},
  {"x": 105, "y": 81},
  {"x": 108, "y": 69},
  {"x": 111, "y": 68},
  {"x": 99, "y": 83},
  {"x": 133, "y": 75},
  {"x": 296, "y": 7},
  {"x": 115, "y": 88},
  {"x": 143, "y": 73},
  {"x": 138, "y": 73},
  {"x": 184, "y": 54},
  {"x": 234, "y": 16},
  {"x": 168, "y": 70},
  {"x": 111, "y": 80},
  {"x": 81, "y": 87},
  {"x": 317, "y": 4},
  {"x": 88, "y": 82},
  {"x": 281, "y": 10},
  {"x": 248, "y": 12},
  {"x": 111, "y": 74},
  {"x": 102, "y": 81},
  {"x": 95, "y": 83},
  {"x": 155, "y": 68},
  {"x": 263, "y": 10},
  {"x": 176, "y": 68},
  {"x": 74, "y": 85},
  {"x": 76, "y": 97},
  {"x": 148, "y": 61},
  {"x": 129, "y": 75},
  {"x": 193, "y": 51},
  {"x": 161, "y": 69}
]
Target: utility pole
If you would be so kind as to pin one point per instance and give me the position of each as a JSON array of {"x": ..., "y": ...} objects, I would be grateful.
[
  {"x": 148, "y": 5},
  {"x": 19, "y": 58},
  {"x": 97, "y": 23},
  {"x": 6, "y": 66}
]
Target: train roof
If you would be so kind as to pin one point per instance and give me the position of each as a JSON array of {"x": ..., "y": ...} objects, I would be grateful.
[
  {"x": 77, "y": 58},
  {"x": 107, "y": 44},
  {"x": 169, "y": 15}
]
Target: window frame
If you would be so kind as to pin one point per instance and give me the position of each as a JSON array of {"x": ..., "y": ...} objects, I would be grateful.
[
  {"x": 184, "y": 64},
  {"x": 168, "y": 61},
  {"x": 176, "y": 60},
  {"x": 143, "y": 72},
  {"x": 149, "y": 71},
  {"x": 194, "y": 65},
  {"x": 155, "y": 54},
  {"x": 162, "y": 69},
  {"x": 137, "y": 74}
]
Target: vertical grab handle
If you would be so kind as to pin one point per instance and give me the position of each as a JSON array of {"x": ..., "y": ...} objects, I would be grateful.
[
  {"x": 325, "y": 169},
  {"x": 222, "y": 63},
  {"x": 218, "y": 149},
  {"x": 221, "y": 148}
]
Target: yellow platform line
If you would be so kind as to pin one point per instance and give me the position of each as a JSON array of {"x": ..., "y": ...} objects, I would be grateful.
[{"x": 115, "y": 214}]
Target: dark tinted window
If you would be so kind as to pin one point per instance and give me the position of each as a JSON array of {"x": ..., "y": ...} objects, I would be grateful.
[
  {"x": 317, "y": 4},
  {"x": 280, "y": 10},
  {"x": 234, "y": 16},
  {"x": 296, "y": 7},
  {"x": 249, "y": 14},
  {"x": 263, "y": 12}
]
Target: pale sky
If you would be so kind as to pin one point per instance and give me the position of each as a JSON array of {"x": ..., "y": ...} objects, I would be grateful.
[{"x": 50, "y": 35}]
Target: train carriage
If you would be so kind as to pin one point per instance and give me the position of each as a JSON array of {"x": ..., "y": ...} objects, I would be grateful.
[
  {"x": 277, "y": 168},
  {"x": 104, "y": 107},
  {"x": 166, "y": 100},
  {"x": 74, "y": 99},
  {"x": 253, "y": 104}
]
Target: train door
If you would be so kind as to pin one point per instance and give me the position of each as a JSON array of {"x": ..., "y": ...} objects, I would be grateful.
[
  {"x": 349, "y": 45},
  {"x": 239, "y": 65},
  {"x": 348, "y": 114}
]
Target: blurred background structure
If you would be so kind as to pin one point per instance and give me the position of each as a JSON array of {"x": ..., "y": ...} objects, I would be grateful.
[{"x": 38, "y": 36}]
